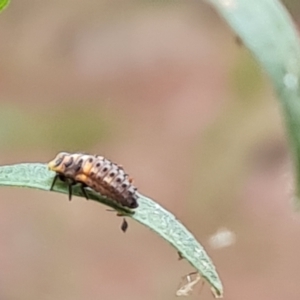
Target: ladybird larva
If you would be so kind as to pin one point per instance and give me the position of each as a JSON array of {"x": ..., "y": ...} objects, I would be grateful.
[{"x": 97, "y": 173}]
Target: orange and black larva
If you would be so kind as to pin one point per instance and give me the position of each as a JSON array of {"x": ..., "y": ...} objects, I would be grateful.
[{"x": 97, "y": 173}]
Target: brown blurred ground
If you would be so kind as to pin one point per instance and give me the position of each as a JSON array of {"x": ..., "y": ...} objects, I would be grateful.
[{"x": 166, "y": 91}]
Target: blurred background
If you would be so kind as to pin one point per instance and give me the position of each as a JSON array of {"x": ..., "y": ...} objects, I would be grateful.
[{"x": 165, "y": 89}]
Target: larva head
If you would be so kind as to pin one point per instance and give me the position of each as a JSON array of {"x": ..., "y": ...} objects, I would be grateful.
[{"x": 61, "y": 162}]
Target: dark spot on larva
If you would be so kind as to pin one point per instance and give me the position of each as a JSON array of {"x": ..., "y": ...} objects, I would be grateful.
[
  {"x": 124, "y": 185},
  {"x": 91, "y": 160},
  {"x": 78, "y": 167},
  {"x": 69, "y": 163},
  {"x": 112, "y": 174},
  {"x": 59, "y": 161},
  {"x": 98, "y": 165},
  {"x": 79, "y": 163},
  {"x": 118, "y": 180},
  {"x": 98, "y": 177},
  {"x": 105, "y": 169},
  {"x": 92, "y": 173}
]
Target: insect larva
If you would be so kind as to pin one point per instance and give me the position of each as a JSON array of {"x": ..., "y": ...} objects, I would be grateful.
[{"x": 97, "y": 173}]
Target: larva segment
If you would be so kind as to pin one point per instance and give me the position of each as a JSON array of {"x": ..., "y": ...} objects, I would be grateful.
[
  {"x": 82, "y": 178},
  {"x": 111, "y": 174},
  {"x": 96, "y": 172}
]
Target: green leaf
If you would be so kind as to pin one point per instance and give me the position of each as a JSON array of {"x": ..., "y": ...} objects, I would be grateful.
[
  {"x": 3, "y": 4},
  {"x": 267, "y": 29},
  {"x": 148, "y": 213}
]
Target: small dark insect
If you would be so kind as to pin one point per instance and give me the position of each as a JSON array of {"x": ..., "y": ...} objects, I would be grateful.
[
  {"x": 238, "y": 41},
  {"x": 180, "y": 256},
  {"x": 124, "y": 225},
  {"x": 97, "y": 173}
]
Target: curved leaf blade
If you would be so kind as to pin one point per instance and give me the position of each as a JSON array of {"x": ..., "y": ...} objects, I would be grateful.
[
  {"x": 148, "y": 213},
  {"x": 266, "y": 28}
]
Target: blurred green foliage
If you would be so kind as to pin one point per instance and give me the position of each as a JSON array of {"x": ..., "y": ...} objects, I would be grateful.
[{"x": 3, "y": 4}]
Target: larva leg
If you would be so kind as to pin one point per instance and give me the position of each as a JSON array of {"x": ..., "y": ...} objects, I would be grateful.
[
  {"x": 83, "y": 191},
  {"x": 62, "y": 178},
  {"x": 53, "y": 182},
  {"x": 70, "y": 191}
]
